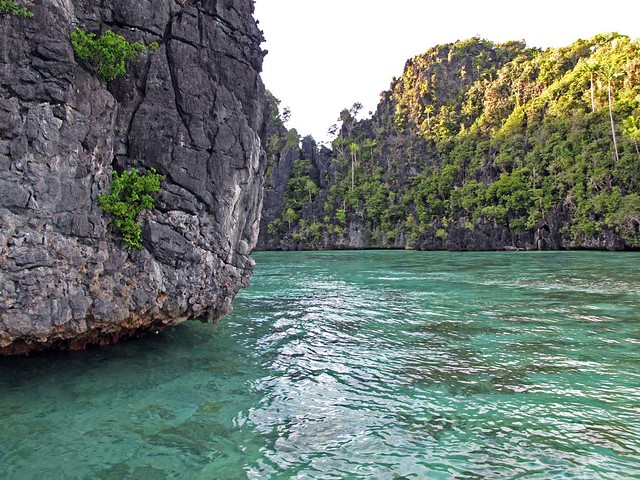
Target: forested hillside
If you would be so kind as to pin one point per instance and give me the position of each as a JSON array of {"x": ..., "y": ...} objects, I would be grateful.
[{"x": 476, "y": 146}]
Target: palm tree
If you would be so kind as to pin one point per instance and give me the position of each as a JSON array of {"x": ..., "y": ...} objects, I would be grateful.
[
  {"x": 592, "y": 68},
  {"x": 610, "y": 72},
  {"x": 354, "y": 148},
  {"x": 339, "y": 144},
  {"x": 428, "y": 109}
]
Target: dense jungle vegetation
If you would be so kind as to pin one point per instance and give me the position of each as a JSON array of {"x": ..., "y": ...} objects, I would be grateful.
[{"x": 476, "y": 133}]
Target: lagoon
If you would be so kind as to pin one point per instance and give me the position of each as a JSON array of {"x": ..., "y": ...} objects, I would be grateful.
[{"x": 356, "y": 364}]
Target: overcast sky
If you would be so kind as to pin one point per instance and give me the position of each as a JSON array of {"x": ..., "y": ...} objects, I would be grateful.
[{"x": 324, "y": 55}]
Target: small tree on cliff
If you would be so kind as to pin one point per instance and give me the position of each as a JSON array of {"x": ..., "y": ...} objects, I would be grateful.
[
  {"x": 354, "y": 148},
  {"x": 311, "y": 187},
  {"x": 610, "y": 73},
  {"x": 109, "y": 53},
  {"x": 370, "y": 144},
  {"x": 290, "y": 216}
]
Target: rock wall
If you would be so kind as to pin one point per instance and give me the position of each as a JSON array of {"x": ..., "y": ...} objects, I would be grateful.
[
  {"x": 483, "y": 235},
  {"x": 194, "y": 110},
  {"x": 321, "y": 173},
  {"x": 476, "y": 146}
]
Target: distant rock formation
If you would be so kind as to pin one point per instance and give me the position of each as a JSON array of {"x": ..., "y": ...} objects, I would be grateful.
[
  {"x": 194, "y": 110},
  {"x": 477, "y": 146}
]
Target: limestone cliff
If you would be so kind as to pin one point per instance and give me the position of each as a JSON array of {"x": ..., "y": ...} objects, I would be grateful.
[
  {"x": 477, "y": 146},
  {"x": 194, "y": 110}
]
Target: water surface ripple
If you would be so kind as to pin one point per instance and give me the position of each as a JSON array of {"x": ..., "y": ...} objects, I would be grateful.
[{"x": 382, "y": 365}]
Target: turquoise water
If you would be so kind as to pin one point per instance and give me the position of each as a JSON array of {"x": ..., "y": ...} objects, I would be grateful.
[{"x": 382, "y": 365}]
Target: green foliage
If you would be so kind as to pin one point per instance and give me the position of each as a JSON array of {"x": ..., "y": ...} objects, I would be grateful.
[
  {"x": 476, "y": 132},
  {"x": 9, "y": 7},
  {"x": 109, "y": 53},
  {"x": 274, "y": 228},
  {"x": 290, "y": 216},
  {"x": 292, "y": 139},
  {"x": 274, "y": 110},
  {"x": 632, "y": 128},
  {"x": 130, "y": 195},
  {"x": 300, "y": 188}
]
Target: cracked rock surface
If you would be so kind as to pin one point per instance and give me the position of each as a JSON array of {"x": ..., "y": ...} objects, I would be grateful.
[{"x": 194, "y": 110}]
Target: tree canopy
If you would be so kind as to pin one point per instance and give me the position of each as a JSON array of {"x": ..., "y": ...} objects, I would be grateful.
[{"x": 480, "y": 132}]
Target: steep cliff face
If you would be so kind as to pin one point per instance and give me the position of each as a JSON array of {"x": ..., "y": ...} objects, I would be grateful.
[
  {"x": 284, "y": 164},
  {"x": 194, "y": 110},
  {"x": 480, "y": 146}
]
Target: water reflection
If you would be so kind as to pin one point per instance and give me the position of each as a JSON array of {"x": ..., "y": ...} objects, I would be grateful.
[
  {"x": 382, "y": 365},
  {"x": 424, "y": 378}
]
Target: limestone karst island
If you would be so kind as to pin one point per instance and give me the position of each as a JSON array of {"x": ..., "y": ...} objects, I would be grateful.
[
  {"x": 192, "y": 108},
  {"x": 447, "y": 288}
]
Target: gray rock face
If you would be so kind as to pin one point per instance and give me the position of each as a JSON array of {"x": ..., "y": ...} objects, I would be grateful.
[
  {"x": 321, "y": 172},
  {"x": 274, "y": 194},
  {"x": 194, "y": 110}
]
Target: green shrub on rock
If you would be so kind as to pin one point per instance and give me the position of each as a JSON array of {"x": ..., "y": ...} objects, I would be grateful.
[
  {"x": 108, "y": 54},
  {"x": 10, "y": 7},
  {"x": 130, "y": 195}
]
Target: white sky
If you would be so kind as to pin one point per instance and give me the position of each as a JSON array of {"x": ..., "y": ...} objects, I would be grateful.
[{"x": 324, "y": 55}]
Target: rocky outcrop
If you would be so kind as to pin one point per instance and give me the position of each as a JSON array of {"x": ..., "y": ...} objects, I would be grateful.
[
  {"x": 275, "y": 188},
  {"x": 321, "y": 171},
  {"x": 461, "y": 235},
  {"x": 193, "y": 110},
  {"x": 479, "y": 146}
]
